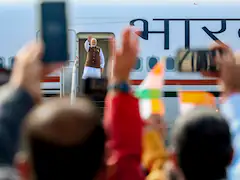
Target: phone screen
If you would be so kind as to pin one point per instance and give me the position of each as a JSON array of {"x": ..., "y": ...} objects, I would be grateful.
[
  {"x": 196, "y": 60},
  {"x": 54, "y": 31}
]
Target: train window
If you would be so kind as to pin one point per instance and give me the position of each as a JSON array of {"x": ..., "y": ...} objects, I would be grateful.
[
  {"x": 2, "y": 62},
  {"x": 11, "y": 61},
  {"x": 138, "y": 64},
  {"x": 170, "y": 64},
  {"x": 152, "y": 61}
]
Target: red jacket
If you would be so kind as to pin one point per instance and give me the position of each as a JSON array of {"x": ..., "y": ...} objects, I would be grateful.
[{"x": 123, "y": 126}]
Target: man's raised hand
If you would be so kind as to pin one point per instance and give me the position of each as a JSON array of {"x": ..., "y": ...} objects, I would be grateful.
[
  {"x": 123, "y": 60},
  {"x": 89, "y": 38},
  {"x": 229, "y": 64}
]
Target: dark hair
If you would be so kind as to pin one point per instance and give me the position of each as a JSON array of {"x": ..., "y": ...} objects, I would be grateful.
[
  {"x": 202, "y": 142},
  {"x": 80, "y": 161},
  {"x": 67, "y": 141}
]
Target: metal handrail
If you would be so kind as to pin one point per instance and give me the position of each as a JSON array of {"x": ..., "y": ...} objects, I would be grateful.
[
  {"x": 73, "y": 92},
  {"x": 62, "y": 78}
]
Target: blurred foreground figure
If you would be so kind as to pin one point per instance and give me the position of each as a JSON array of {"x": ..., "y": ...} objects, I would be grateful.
[
  {"x": 202, "y": 145},
  {"x": 17, "y": 98},
  {"x": 67, "y": 142},
  {"x": 154, "y": 151},
  {"x": 122, "y": 121},
  {"x": 229, "y": 64},
  {"x": 95, "y": 59},
  {"x": 64, "y": 141},
  {"x": 157, "y": 123}
]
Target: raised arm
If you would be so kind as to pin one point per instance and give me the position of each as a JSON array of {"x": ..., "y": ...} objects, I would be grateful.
[
  {"x": 231, "y": 109},
  {"x": 87, "y": 45},
  {"x": 102, "y": 59},
  {"x": 122, "y": 120}
]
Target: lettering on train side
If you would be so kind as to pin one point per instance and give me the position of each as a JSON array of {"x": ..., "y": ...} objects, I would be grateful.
[{"x": 144, "y": 34}]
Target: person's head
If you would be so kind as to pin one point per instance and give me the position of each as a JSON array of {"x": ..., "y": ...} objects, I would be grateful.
[
  {"x": 202, "y": 144},
  {"x": 93, "y": 42},
  {"x": 64, "y": 141}
]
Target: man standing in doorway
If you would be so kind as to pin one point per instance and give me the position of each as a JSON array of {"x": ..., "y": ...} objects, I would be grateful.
[{"x": 95, "y": 62}]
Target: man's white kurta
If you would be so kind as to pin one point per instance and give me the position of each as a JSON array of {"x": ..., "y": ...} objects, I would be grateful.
[{"x": 90, "y": 71}]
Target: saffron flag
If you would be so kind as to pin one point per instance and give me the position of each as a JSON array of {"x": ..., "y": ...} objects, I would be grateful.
[
  {"x": 149, "y": 92},
  {"x": 191, "y": 99}
]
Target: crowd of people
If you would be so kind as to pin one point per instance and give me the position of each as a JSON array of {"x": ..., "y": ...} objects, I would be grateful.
[{"x": 56, "y": 140}]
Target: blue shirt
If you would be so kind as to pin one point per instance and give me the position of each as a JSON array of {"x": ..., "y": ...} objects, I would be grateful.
[{"x": 231, "y": 110}]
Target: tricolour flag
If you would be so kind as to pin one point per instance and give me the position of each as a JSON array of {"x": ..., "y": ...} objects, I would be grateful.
[
  {"x": 188, "y": 100},
  {"x": 151, "y": 106},
  {"x": 149, "y": 92}
]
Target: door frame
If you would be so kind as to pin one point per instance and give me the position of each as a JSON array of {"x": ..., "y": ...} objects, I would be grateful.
[{"x": 105, "y": 35}]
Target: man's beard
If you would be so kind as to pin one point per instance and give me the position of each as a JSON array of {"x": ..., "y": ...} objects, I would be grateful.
[{"x": 93, "y": 45}]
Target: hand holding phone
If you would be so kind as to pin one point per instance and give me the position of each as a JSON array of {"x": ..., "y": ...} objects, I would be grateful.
[
  {"x": 54, "y": 31},
  {"x": 197, "y": 60}
]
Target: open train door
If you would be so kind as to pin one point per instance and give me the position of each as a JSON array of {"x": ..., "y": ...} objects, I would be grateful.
[{"x": 102, "y": 42}]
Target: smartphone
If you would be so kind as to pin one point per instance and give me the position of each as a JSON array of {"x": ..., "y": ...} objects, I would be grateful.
[
  {"x": 54, "y": 31},
  {"x": 197, "y": 60},
  {"x": 95, "y": 89}
]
